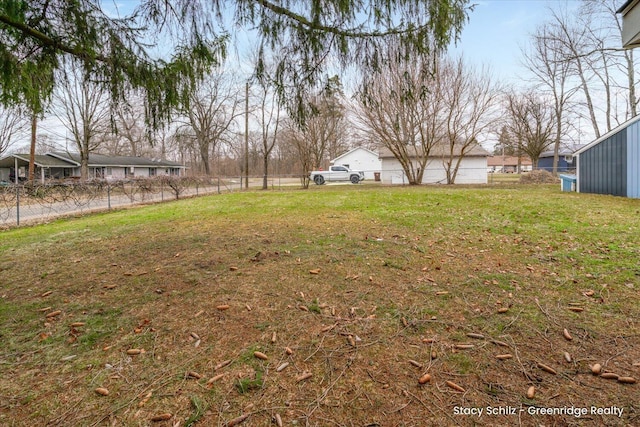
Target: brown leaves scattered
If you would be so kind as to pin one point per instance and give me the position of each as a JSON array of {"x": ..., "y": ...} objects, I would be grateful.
[{"x": 102, "y": 391}]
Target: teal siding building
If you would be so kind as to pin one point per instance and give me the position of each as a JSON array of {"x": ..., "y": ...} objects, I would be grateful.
[{"x": 611, "y": 163}]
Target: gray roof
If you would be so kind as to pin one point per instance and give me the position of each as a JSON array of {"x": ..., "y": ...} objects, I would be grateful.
[
  {"x": 441, "y": 150},
  {"x": 97, "y": 160},
  {"x": 41, "y": 160}
]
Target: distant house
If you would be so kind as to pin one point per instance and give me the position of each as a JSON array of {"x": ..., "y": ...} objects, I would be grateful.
[
  {"x": 611, "y": 163},
  {"x": 62, "y": 165},
  {"x": 630, "y": 12},
  {"x": 566, "y": 161},
  {"x": 360, "y": 159},
  {"x": 473, "y": 167},
  {"x": 508, "y": 164}
]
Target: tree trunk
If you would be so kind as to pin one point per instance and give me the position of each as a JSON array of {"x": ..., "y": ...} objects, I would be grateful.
[
  {"x": 633, "y": 102},
  {"x": 204, "y": 156},
  {"x": 265, "y": 160},
  {"x": 587, "y": 95}
]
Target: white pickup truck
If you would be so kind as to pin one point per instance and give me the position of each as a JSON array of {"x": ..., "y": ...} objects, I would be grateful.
[{"x": 336, "y": 173}]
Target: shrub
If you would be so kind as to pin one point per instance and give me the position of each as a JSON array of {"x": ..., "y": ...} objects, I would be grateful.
[{"x": 538, "y": 177}]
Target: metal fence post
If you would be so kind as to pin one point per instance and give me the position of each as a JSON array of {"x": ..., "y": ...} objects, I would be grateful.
[
  {"x": 17, "y": 203},
  {"x": 108, "y": 197}
]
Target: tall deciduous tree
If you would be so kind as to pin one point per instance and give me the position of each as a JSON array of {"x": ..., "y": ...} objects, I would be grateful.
[
  {"x": 531, "y": 121},
  {"x": 552, "y": 73},
  {"x": 322, "y": 132},
  {"x": 209, "y": 115},
  {"x": 268, "y": 111},
  {"x": 82, "y": 107},
  {"x": 402, "y": 107},
  {"x": 470, "y": 98}
]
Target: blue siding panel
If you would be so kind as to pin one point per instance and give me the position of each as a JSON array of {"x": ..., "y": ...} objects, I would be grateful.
[
  {"x": 633, "y": 161},
  {"x": 603, "y": 167}
]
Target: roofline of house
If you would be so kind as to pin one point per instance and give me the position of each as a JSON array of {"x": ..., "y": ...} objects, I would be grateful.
[
  {"x": 623, "y": 9},
  {"x": 607, "y": 135},
  {"x": 60, "y": 157},
  {"x": 352, "y": 150},
  {"x": 437, "y": 156}
]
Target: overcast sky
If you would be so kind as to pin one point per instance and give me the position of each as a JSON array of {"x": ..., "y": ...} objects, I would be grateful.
[{"x": 497, "y": 29}]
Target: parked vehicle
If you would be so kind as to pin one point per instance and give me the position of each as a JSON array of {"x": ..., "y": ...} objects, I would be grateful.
[{"x": 335, "y": 174}]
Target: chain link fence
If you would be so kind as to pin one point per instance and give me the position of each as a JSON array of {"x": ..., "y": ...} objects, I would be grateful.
[{"x": 32, "y": 202}]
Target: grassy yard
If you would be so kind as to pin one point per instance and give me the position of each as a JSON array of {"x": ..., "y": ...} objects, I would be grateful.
[{"x": 326, "y": 307}]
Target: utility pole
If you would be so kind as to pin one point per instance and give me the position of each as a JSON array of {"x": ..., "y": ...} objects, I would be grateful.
[
  {"x": 246, "y": 136},
  {"x": 32, "y": 150}
]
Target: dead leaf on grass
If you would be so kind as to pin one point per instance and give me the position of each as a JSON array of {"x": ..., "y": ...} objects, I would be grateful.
[
  {"x": 416, "y": 363},
  {"x": 455, "y": 386},
  {"x": 238, "y": 420},
  {"x": 260, "y": 355},
  {"x": 102, "y": 391},
  {"x": 145, "y": 399},
  {"x": 304, "y": 376},
  {"x": 531, "y": 392},
  {"x": 214, "y": 379},
  {"x": 424, "y": 379},
  {"x": 504, "y": 356},
  {"x": 548, "y": 369},
  {"x": 161, "y": 417},
  {"x": 222, "y": 364}
]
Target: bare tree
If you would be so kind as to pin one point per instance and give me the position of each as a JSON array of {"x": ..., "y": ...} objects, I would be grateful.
[
  {"x": 131, "y": 135},
  {"x": 268, "y": 114},
  {"x": 402, "y": 107},
  {"x": 605, "y": 30},
  {"x": 12, "y": 124},
  {"x": 571, "y": 41},
  {"x": 82, "y": 107},
  {"x": 210, "y": 114},
  {"x": 323, "y": 133},
  {"x": 552, "y": 74},
  {"x": 531, "y": 121},
  {"x": 469, "y": 97},
  {"x": 294, "y": 136}
]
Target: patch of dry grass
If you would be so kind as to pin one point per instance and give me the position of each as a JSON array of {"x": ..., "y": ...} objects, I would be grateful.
[{"x": 351, "y": 293}]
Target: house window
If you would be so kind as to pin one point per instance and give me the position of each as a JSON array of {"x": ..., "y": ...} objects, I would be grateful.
[
  {"x": 109, "y": 171},
  {"x": 152, "y": 171}
]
